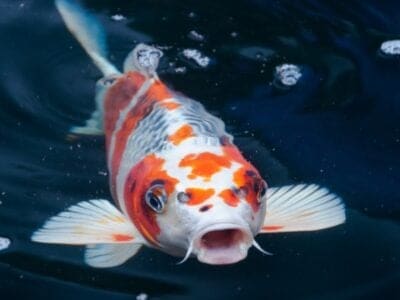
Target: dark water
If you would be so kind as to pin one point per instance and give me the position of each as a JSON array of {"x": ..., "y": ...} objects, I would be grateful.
[{"x": 339, "y": 127}]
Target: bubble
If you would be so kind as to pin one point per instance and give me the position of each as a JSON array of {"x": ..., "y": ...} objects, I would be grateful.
[
  {"x": 142, "y": 296},
  {"x": 180, "y": 70},
  {"x": 287, "y": 74},
  {"x": 391, "y": 47},
  {"x": 4, "y": 243},
  {"x": 194, "y": 35},
  {"x": 118, "y": 17},
  {"x": 200, "y": 59},
  {"x": 102, "y": 173}
]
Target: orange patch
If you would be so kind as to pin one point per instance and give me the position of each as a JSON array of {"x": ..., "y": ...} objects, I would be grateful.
[
  {"x": 205, "y": 164},
  {"x": 271, "y": 228},
  {"x": 139, "y": 180},
  {"x": 181, "y": 134},
  {"x": 233, "y": 152},
  {"x": 229, "y": 197},
  {"x": 141, "y": 110},
  {"x": 122, "y": 237},
  {"x": 117, "y": 98},
  {"x": 249, "y": 179},
  {"x": 170, "y": 105},
  {"x": 198, "y": 196},
  {"x": 240, "y": 178},
  {"x": 246, "y": 177},
  {"x": 156, "y": 92}
]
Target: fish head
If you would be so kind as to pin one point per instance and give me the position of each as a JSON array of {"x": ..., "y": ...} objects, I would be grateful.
[{"x": 211, "y": 205}]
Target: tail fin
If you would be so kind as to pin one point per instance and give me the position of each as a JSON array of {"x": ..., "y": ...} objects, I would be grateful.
[{"x": 88, "y": 32}]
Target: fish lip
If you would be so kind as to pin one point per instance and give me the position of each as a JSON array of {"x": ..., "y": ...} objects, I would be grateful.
[{"x": 238, "y": 239}]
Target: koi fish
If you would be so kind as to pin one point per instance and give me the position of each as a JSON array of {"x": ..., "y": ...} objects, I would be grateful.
[{"x": 180, "y": 184}]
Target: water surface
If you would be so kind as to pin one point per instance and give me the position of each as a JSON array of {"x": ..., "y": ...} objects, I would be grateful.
[{"x": 338, "y": 127}]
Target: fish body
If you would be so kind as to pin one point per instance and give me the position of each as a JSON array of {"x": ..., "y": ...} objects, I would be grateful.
[
  {"x": 178, "y": 180},
  {"x": 158, "y": 138}
]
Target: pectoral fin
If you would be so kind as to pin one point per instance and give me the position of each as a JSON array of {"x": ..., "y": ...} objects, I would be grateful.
[
  {"x": 88, "y": 222},
  {"x": 109, "y": 255},
  {"x": 302, "y": 208}
]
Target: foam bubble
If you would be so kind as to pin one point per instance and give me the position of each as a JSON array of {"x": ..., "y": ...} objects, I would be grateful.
[
  {"x": 142, "y": 296},
  {"x": 4, "y": 243},
  {"x": 194, "y": 35},
  {"x": 200, "y": 59},
  {"x": 118, "y": 17},
  {"x": 391, "y": 47},
  {"x": 287, "y": 74}
]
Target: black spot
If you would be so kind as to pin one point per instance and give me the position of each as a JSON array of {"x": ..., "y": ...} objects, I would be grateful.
[
  {"x": 224, "y": 140},
  {"x": 251, "y": 173},
  {"x": 205, "y": 208},
  {"x": 108, "y": 81}
]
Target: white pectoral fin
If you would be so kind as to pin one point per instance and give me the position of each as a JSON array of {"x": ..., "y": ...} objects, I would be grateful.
[
  {"x": 302, "y": 208},
  {"x": 88, "y": 222},
  {"x": 93, "y": 126},
  {"x": 109, "y": 255}
]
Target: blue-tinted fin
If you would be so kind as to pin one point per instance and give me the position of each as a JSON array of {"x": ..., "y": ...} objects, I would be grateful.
[{"x": 88, "y": 31}]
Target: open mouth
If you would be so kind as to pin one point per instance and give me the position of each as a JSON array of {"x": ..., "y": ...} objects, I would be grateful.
[{"x": 222, "y": 245}]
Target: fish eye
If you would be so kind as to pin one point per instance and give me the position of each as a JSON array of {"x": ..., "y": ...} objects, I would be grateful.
[
  {"x": 182, "y": 197},
  {"x": 156, "y": 197}
]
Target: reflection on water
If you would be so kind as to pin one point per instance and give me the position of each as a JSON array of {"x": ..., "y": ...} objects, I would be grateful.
[{"x": 338, "y": 126}]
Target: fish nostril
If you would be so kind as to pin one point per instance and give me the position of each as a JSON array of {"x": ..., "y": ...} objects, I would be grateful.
[{"x": 183, "y": 197}]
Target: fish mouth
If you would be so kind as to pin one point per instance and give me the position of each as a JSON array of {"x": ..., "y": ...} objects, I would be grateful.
[{"x": 222, "y": 244}]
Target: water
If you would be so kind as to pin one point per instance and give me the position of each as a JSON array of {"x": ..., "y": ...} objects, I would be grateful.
[{"x": 338, "y": 126}]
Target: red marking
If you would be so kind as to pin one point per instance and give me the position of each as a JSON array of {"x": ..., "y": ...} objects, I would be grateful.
[
  {"x": 240, "y": 178},
  {"x": 271, "y": 228},
  {"x": 204, "y": 208},
  {"x": 198, "y": 196},
  {"x": 229, "y": 197},
  {"x": 233, "y": 153},
  {"x": 117, "y": 98},
  {"x": 246, "y": 177},
  {"x": 156, "y": 92},
  {"x": 184, "y": 132},
  {"x": 170, "y": 105},
  {"x": 122, "y": 237},
  {"x": 205, "y": 164},
  {"x": 139, "y": 180}
]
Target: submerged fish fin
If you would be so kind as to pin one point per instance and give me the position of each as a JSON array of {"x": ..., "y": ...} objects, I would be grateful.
[
  {"x": 91, "y": 36},
  {"x": 88, "y": 222},
  {"x": 89, "y": 33},
  {"x": 93, "y": 126},
  {"x": 109, "y": 255},
  {"x": 302, "y": 208}
]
